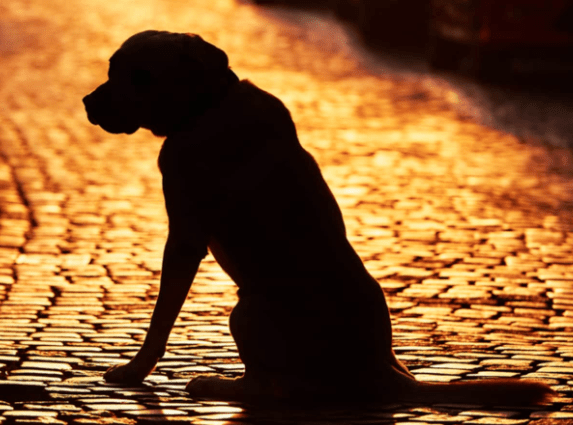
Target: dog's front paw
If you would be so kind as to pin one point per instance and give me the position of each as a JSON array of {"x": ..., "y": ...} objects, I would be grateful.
[{"x": 131, "y": 373}]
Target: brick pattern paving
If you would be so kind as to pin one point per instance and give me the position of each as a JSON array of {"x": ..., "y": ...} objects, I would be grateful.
[{"x": 469, "y": 232}]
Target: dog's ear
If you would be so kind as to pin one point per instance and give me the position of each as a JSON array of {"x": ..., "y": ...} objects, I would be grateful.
[
  {"x": 208, "y": 68},
  {"x": 204, "y": 55}
]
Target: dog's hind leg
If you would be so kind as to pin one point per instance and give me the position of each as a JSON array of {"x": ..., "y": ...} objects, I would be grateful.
[
  {"x": 265, "y": 340},
  {"x": 258, "y": 328}
]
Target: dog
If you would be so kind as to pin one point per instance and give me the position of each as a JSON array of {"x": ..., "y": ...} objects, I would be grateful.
[{"x": 311, "y": 323}]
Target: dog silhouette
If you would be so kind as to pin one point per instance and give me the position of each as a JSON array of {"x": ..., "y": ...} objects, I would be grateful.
[{"x": 311, "y": 322}]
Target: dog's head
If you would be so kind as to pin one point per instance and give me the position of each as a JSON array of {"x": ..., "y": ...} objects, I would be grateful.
[{"x": 159, "y": 80}]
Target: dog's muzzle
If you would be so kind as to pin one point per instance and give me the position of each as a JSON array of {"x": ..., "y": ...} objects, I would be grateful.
[
  {"x": 89, "y": 108},
  {"x": 104, "y": 114}
]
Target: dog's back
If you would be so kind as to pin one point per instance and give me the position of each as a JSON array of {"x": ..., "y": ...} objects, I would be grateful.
[
  {"x": 278, "y": 232},
  {"x": 265, "y": 200}
]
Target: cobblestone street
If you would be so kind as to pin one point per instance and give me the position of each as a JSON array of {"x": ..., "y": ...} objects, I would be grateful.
[{"x": 469, "y": 230}]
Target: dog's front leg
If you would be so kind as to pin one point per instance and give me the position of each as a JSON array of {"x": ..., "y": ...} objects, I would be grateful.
[{"x": 178, "y": 271}]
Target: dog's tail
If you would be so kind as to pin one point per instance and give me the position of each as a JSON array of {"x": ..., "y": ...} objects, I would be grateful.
[{"x": 500, "y": 392}]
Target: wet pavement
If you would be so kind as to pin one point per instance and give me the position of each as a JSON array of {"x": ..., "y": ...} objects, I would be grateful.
[{"x": 467, "y": 228}]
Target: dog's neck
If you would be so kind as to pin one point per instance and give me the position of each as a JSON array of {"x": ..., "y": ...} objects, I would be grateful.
[
  {"x": 219, "y": 89},
  {"x": 232, "y": 77},
  {"x": 223, "y": 84}
]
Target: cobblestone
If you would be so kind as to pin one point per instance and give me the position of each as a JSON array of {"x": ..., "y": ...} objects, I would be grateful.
[{"x": 468, "y": 229}]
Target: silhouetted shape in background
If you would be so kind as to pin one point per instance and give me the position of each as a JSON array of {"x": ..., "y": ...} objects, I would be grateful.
[{"x": 237, "y": 181}]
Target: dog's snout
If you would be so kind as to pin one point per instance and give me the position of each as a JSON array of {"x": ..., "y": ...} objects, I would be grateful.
[
  {"x": 88, "y": 103},
  {"x": 90, "y": 100}
]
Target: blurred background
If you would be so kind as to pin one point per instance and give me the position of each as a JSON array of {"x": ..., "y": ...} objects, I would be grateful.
[
  {"x": 490, "y": 39},
  {"x": 490, "y": 52},
  {"x": 443, "y": 128}
]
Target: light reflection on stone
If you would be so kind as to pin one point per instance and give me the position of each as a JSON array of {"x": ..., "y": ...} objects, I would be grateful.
[{"x": 467, "y": 229}]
